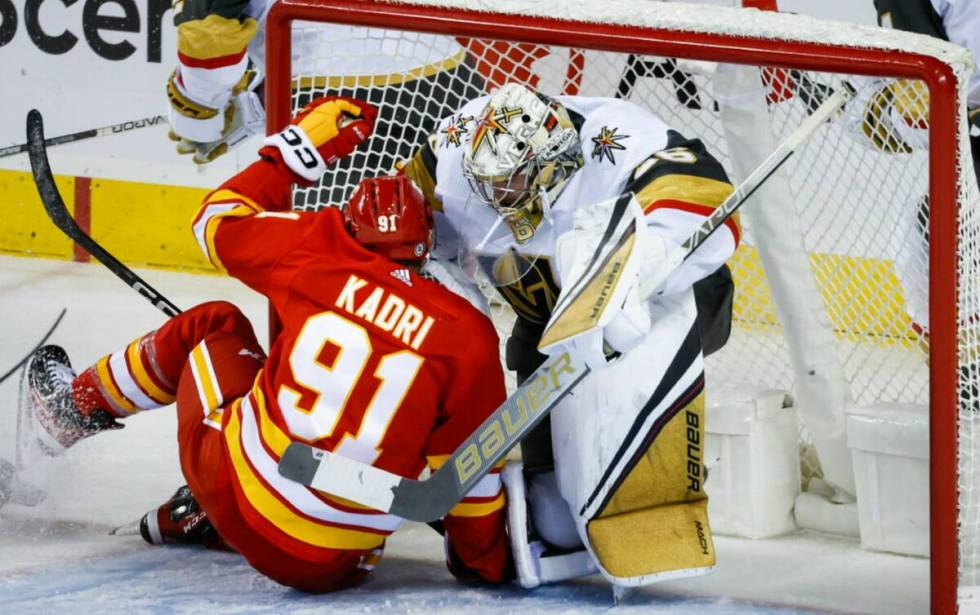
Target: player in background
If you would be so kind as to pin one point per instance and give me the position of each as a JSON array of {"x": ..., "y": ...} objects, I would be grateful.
[
  {"x": 368, "y": 363},
  {"x": 906, "y": 104},
  {"x": 216, "y": 95},
  {"x": 896, "y": 120},
  {"x": 619, "y": 469}
]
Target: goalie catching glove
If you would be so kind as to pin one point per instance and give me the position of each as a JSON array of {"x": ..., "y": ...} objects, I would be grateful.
[{"x": 326, "y": 130}]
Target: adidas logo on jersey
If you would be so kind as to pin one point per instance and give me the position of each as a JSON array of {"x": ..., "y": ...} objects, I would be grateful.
[{"x": 402, "y": 275}]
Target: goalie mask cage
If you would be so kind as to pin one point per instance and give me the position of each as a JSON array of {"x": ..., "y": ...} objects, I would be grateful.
[{"x": 841, "y": 250}]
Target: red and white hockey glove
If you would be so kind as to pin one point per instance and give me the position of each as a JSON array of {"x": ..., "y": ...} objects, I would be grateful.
[{"x": 326, "y": 130}]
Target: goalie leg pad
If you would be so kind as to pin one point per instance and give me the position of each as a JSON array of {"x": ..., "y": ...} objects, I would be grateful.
[
  {"x": 661, "y": 505},
  {"x": 655, "y": 544},
  {"x": 628, "y": 454}
]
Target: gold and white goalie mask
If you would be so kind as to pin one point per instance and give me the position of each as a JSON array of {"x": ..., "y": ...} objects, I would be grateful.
[{"x": 521, "y": 154}]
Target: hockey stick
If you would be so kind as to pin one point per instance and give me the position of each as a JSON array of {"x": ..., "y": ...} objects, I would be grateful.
[
  {"x": 88, "y": 134},
  {"x": 55, "y": 207},
  {"x": 432, "y": 498},
  {"x": 44, "y": 339}
]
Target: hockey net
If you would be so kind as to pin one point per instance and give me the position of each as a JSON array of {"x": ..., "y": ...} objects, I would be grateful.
[{"x": 836, "y": 267}]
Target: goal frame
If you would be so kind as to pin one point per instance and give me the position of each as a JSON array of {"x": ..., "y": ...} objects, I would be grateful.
[{"x": 939, "y": 77}]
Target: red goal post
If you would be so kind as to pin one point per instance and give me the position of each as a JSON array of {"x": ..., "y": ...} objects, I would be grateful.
[{"x": 754, "y": 39}]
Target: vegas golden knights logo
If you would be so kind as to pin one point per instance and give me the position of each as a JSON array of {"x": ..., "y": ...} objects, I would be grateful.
[{"x": 533, "y": 291}]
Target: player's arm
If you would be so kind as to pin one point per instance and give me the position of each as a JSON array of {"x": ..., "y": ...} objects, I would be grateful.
[
  {"x": 212, "y": 103},
  {"x": 677, "y": 188},
  {"x": 449, "y": 134},
  {"x": 476, "y": 539},
  {"x": 244, "y": 227},
  {"x": 896, "y": 115},
  {"x": 421, "y": 168}
]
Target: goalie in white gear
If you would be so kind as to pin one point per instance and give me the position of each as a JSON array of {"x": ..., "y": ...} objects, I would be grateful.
[{"x": 528, "y": 183}]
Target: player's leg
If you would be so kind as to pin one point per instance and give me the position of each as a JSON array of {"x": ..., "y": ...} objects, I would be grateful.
[
  {"x": 140, "y": 376},
  {"x": 523, "y": 358},
  {"x": 629, "y": 455},
  {"x": 181, "y": 519},
  {"x": 549, "y": 515},
  {"x": 208, "y": 395}
]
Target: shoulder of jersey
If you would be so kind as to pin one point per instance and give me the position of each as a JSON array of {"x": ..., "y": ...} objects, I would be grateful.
[
  {"x": 327, "y": 237},
  {"x": 616, "y": 133},
  {"x": 433, "y": 296},
  {"x": 331, "y": 224}
]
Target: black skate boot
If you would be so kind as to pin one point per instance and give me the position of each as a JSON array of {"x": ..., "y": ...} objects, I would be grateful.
[
  {"x": 179, "y": 520},
  {"x": 61, "y": 424}
]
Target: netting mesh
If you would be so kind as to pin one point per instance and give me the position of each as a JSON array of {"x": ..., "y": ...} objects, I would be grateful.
[{"x": 843, "y": 257}]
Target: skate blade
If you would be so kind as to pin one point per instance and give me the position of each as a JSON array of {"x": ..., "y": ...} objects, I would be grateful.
[
  {"x": 32, "y": 441},
  {"x": 621, "y": 594},
  {"x": 23, "y": 422},
  {"x": 130, "y": 529}
]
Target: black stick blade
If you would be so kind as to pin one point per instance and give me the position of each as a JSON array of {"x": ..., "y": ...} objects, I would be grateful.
[{"x": 44, "y": 178}]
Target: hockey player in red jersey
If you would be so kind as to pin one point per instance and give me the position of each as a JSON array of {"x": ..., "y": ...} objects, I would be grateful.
[{"x": 371, "y": 362}]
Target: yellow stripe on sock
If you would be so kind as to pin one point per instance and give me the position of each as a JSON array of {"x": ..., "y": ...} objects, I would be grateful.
[
  {"x": 142, "y": 378},
  {"x": 115, "y": 396},
  {"x": 477, "y": 509}
]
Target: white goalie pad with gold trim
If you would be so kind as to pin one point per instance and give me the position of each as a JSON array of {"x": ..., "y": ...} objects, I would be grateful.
[{"x": 628, "y": 446}]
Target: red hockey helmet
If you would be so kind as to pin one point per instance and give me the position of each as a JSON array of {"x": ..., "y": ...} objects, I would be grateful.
[{"x": 390, "y": 216}]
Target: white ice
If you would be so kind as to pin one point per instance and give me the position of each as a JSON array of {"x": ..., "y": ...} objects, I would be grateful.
[{"x": 58, "y": 556}]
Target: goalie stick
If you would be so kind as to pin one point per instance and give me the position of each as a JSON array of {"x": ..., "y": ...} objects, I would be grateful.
[
  {"x": 430, "y": 499},
  {"x": 88, "y": 134},
  {"x": 55, "y": 207}
]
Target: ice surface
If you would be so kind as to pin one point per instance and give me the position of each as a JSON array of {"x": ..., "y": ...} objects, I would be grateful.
[{"x": 58, "y": 557}]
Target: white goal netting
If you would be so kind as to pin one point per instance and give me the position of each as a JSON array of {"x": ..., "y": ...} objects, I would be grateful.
[{"x": 832, "y": 275}]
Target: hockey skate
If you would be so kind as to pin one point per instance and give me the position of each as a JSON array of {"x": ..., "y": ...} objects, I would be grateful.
[
  {"x": 536, "y": 561},
  {"x": 179, "y": 520},
  {"x": 58, "y": 423}
]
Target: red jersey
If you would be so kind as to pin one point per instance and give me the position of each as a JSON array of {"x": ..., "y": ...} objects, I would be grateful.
[{"x": 373, "y": 361}]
